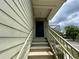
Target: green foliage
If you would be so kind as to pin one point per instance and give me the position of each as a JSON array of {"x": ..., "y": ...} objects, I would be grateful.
[
  {"x": 60, "y": 33},
  {"x": 72, "y": 31},
  {"x": 77, "y": 36}
]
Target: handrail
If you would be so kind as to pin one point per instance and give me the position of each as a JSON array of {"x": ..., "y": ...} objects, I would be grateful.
[
  {"x": 26, "y": 47},
  {"x": 52, "y": 49},
  {"x": 66, "y": 46},
  {"x": 66, "y": 41},
  {"x": 62, "y": 46},
  {"x": 59, "y": 33}
]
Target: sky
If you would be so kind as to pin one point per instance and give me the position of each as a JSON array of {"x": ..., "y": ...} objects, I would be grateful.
[{"x": 68, "y": 14}]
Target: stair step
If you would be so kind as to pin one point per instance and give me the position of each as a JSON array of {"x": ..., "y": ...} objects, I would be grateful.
[
  {"x": 41, "y": 55},
  {"x": 40, "y": 49},
  {"x": 39, "y": 44},
  {"x": 40, "y": 40}
]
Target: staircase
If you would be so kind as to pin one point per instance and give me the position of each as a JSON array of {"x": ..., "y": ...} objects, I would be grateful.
[{"x": 40, "y": 49}]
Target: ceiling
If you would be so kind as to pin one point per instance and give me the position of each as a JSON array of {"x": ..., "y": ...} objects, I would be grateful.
[{"x": 45, "y": 8}]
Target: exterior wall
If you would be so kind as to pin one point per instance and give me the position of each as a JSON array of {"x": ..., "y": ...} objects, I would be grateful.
[
  {"x": 16, "y": 20},
  {"x": 46, "y": 28}
]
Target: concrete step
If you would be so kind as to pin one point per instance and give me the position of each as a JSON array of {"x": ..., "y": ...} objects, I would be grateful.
[
  {"x": 41, "y": 55},
  {"x": 39, "y": 49},
  {"x": 39, "y": 43},
  {"x": 39, "y": 40}
]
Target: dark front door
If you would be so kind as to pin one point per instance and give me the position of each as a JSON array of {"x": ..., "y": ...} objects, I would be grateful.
[{"x": 39, "y": 29}]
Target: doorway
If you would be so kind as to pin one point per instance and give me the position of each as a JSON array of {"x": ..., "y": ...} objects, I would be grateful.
[{"x": 39, "y": 28}]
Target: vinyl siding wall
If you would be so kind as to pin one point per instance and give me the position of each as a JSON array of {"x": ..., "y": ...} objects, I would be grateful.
[{"x": 16, "y": 22}]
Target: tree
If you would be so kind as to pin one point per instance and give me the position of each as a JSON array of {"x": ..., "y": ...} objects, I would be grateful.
[
  {"x": 77, "y": 36},
  {"x": 72, "y": 31}
]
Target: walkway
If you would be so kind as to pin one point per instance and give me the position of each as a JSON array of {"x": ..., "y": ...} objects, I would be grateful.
[{"x": 74, "y": 43}]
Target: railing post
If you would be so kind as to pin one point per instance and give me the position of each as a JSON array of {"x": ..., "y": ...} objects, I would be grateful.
[
  {"x": 64, "y": 45},
  {"x": 72, "y": 51},
  {"x": 78, "y": 54}
]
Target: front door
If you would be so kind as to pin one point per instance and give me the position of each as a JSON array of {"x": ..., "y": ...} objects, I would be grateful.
[{"x": 39, "y": 28}]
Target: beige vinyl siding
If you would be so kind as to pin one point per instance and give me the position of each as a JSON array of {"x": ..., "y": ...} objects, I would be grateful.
[{"x": 16, "y": 22}]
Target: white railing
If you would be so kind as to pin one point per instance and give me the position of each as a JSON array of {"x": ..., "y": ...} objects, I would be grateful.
[
  {"x": 23, "y": 54},
  {"x": 69, "y": 52}
]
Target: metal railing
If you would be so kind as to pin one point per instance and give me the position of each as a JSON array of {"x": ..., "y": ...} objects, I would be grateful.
[
  {"x": 23, "y": 54},
  {"x": 59, "y": 44}
]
